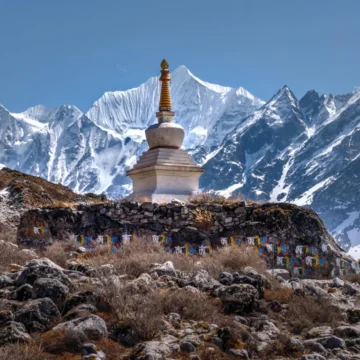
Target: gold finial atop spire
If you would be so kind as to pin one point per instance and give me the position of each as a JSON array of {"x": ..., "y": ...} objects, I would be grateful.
[{"x": 165, "y": 100}]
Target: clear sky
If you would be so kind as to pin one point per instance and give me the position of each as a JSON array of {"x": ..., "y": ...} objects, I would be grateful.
[{"x": 55, "y": 52}]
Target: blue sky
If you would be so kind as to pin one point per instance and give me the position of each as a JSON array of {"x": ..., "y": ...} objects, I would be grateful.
[{"x": 72, "y": 51}]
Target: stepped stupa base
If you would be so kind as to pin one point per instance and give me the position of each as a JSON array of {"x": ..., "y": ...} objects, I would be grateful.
[{"x": 162, "y": 183}]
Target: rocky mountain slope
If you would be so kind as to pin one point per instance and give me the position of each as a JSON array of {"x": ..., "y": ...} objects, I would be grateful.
[
  {"x": 21, "y": 192},
  {"x": 304, "y": 151}
]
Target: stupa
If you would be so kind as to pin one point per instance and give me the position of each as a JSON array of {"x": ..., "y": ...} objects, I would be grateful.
[{"x": 166, "y": 171}]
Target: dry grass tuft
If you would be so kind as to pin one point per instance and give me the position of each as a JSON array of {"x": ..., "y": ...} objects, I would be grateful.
[
  {"x": 210, "y": 197},
  {"x": 58, "y": 252},
  {"x": 31, "y": 351},
  {"x": 203, "y": 218},
  {"x": 10, "y": 254},
  {"x": 307, "y": 312},
  {"x": 282, "y": 295},
  {"x": 355, "y": 278}
]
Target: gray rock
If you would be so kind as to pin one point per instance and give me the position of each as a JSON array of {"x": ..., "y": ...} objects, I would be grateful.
[
  {"x": 22, "y": 293},
  {"x": 13, "y": 332},
  {"x": 312, "y": 288},
  {"x": 350, "y": 289},
  {"x": 348, "y": 331},
  {"x": 319, "y": 331},
  {"x": 332, "y": 342},
  {"x": 42, "y": 311},
  {"x": 226, "y": 278},
  {"x": 5, "y": 281},
  {"x": 313, "y": 356},
  {"x": 203, "y": 281},
  {"x": 337, "y": 282},
  {"x": 5, "y": 316},
  {"x": 42, "y": 268},
  {"x": 164, "y": 269},
  {"x": 151, "y": 350},
  {"x": 187, "y": 347},
  {"x": 241, "y": 354},
  {"x": 353, "y": 315},
  {"x": 294, "y": 345},
  {"x": 52, "y": 289},
  {"x": 92, "y": 326},
  {"x": 238, "y": 298},
  {"x": 80, "y": 311},
  {"x": 281, "y": 273}
]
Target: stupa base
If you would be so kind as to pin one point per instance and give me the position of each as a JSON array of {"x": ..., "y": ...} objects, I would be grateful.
[{"x": 164, "y": 182}]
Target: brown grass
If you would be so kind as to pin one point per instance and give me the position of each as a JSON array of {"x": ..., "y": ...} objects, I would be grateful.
[
  {"x": 202, "y": 218},
  {"x": 282, "y": 295},
  {"x": 31, "y": 351},
  {"x": 135, "y": 258},
  {"x": 10, "y": 255},
  {"x": 58, "y": 252},
  {"x": 355, "y": 278},
  {"x": 60, "y": 341},
  {"x": 307, "y": 312},
  {"x": 209, "y": 197}
]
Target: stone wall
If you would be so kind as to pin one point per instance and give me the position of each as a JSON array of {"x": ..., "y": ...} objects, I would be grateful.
[{"x": 284, "y": 227}]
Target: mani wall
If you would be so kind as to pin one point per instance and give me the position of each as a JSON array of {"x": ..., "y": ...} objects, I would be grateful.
[{"x": 285, "y": 235}]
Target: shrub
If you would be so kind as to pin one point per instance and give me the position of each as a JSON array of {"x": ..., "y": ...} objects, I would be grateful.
[
  {"x": 58, "y": 252},
  {"x": 191, "y": 306},
  {"x": 210, "y": 197},
  {"x": 307, "y": 312},
  {"x": 282, "y": 295},
  {"x": 203, "y": 218},
  {"x": 10, "y": 254},
  {"x": 112, "y": 349},
  {"x": 355, "y": 278}
]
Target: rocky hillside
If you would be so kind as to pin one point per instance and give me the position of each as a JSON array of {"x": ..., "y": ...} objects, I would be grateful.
[
  {"x": 20, "y": 192},
  {"x": 144, "y": 303}
]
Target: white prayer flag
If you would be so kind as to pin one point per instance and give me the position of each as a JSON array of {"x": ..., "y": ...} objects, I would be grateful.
[
  {"x": 178, "y": 249},
  {"x": 338, "y": 262},
  {"x": 270, "y": 248},
  {"x": 279, "y": 260},
  {"x": 202, "y": 250},
  {"x": 155, "y": 239},
  {"x": 299, "y": 250},
  {"x": 309, "y": 260},
  {"x": 324, "y": 248},
  {"x": 251, "y": 240},
  {"x": 36, "y": 230},
  {"x": 126, "y": 238},
  {"x": 223, "y": 241}
]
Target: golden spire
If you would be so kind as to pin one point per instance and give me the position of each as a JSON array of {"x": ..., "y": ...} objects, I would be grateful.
[{"x": 165, "y": 100}]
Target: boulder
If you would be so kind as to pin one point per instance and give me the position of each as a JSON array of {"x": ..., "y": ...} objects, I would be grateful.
[
  {"x": 5, "y": 316},
  {"x": 238, "y": 299},
  {"x": 39, "y": 311},
  {"x": 313, "y": 356},
  {"x": 237, "y": 353},
  {"x": 83, "y": 268},
  {"x": 92, "y": 326},
  {"x": 319, "y": 331},
  {"x": 52, "y": 289},
  {"x": 294, "y": 345},
  {"x": 22, "y": 293},
  {"x": 187, "y": 347},
  {"x": 80, "y": 311},
  {"x": 13, "y": 332},
  {"x": 348, "y": 331},
  {"x": 350, "y": 289},
  {"x": 42, "y": 268},
  {"x": 203, "y": 281},
  {"x": 151, "y": 350},
  {"x": 353, "y": 315},
  {"x": 166, "y": 268},
  {"x": 5, "y": 281},
  {"x": 337, "y": 283},
  {"x": 226, "y": 278},
  {"x": 331, "y": 342}
]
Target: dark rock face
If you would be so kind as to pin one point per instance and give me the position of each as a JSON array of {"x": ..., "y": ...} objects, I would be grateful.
[
  {"x": 22, "y": 293},
  {"x": 13, "y": 332},
  {"x": 52, "y": 289},
  {"x": 37, "y": 314},
  {"x": 238, "y": 299},
  {"x": 42, "y": 268},
  {"x": 92, "y": 326}
]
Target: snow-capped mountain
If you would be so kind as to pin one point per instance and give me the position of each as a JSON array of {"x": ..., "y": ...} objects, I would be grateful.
[{"x": 304, "y": 151}]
